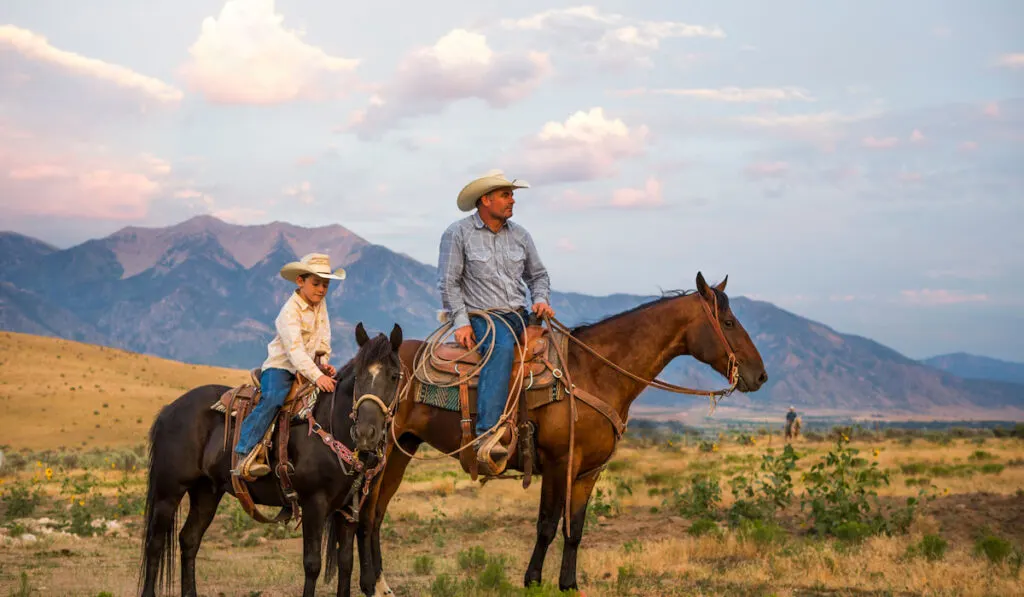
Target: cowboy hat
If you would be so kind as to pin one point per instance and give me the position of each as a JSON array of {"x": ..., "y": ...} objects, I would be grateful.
[
  {"x": 317, "y": 264},
  {"x": 495, "y": 179}
]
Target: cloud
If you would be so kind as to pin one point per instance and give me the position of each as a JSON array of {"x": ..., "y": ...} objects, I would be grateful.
[
  {"x": 246, "y": 56},
  {"x": 566, "y": 245},
  {"x": 78, "y": 186},
  {"x": 301, "y": 193},
  {"x": 759, "y": 170},
  {"x": 460, "y": 65},
  {"x": 643, "y": 198},
  {"x": 614, "y": 39},
  {"x": 880, "y": 143},
  {"x": 586, "y": 146},
  {"x": 36, "y": 47},
  {"x": 1011, "y": 60},
  {"x": 930, "y": 297},
  {"x": 916, "y": 136},
  {"x": 732, "y": 94}
]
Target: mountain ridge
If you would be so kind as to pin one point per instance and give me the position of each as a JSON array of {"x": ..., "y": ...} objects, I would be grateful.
[{"x": 197, "y": 302}]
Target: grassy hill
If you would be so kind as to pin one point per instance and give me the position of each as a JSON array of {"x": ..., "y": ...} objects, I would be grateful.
[{"x": 88, "y": 395}]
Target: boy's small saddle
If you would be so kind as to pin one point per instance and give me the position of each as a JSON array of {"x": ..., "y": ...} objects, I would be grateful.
[
  {"x": 236, "y": 404},
  {"x": 449, "y": 365}
]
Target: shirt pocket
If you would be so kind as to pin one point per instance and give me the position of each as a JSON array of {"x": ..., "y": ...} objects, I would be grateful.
[
  {"x": 515, "y": 260},
  {"x": 480, "y": 261}
]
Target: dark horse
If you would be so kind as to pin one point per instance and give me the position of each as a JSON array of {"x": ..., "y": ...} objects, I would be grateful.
[
  {"x": 187, "y": 456},
  {"x": 641, "y": 341}
]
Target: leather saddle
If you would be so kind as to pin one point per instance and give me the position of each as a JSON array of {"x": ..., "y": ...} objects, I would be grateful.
[{"x": 450, "y": 364}]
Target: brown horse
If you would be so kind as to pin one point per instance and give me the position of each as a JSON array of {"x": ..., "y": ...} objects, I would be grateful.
[{"x": 641, "y": 341}]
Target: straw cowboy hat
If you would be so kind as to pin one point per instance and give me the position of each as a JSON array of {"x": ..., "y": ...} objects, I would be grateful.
[
  {"x": 317, "y": 264},
  {"x": 495, "y": 179}
]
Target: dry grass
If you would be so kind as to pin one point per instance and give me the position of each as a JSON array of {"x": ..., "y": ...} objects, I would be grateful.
[
  {"x": 61, "y": 393},
  {"x": 640, "y": 546}
]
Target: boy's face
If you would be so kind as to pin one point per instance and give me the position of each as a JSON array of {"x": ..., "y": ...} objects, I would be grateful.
[{"x": 312, "y": 288}]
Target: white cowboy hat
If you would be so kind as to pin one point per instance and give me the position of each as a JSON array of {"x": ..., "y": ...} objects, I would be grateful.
[
  {"x": 317, "y": 264},
  {"x": 495, "y": 179}
]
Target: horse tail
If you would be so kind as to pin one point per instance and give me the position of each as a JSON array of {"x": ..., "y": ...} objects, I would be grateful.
[
  {"x": 331, "y": 545},
  {"x": 165, "y": 557}
]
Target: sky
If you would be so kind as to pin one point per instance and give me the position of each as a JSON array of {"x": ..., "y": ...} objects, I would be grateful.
[{"x": 855, "y": 162}]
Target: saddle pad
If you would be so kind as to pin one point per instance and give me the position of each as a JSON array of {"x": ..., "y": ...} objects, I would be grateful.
[{"x": 448, "y": 398}]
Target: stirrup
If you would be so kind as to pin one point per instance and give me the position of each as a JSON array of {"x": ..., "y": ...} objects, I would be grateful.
[{"x": 484, "y": 454}]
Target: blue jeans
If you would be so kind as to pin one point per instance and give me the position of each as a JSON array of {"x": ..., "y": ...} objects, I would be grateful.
[
  {"x": 494, "y": 377},
  {"x": 274, "y": 387}
]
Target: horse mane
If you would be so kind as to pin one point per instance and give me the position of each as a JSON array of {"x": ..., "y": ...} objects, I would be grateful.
[
  {"x": 666, "y": 295},
  {"x": 378, "y": 349}
]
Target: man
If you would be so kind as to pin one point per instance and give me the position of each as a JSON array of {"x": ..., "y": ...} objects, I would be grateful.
[
  {"x": 487, "y": 262},
  {"x": 790, "y": 417}
]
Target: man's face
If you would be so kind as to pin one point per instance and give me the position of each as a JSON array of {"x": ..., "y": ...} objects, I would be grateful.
[{"x": 498, "y": 203}]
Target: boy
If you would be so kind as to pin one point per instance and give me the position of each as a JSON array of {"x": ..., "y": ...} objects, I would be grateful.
[{"x": 303, "y": 328}]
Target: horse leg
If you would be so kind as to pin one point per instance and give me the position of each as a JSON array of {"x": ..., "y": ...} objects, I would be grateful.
[
  {"x": 314, "y": 513},
  {"x": 203, "y": 499},
  {"x": 371, "y": 566},
  {"x": 551, "y": 499},
  {"x": 581, "y": 489},
  {"x": 161, "y": 512},
  {"x": 345, "y": 531}
]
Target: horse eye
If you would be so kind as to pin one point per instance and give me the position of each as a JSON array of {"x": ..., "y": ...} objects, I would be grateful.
[{"x": 728, "y": 323}]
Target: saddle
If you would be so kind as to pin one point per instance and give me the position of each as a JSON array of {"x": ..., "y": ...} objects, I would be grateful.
[
  {"x": 450, "y": 364},
  {"x": 236, "y": 404}
]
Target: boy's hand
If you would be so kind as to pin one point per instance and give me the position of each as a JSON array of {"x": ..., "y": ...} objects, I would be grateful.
[
  {"x": 325, "y": 383},
  {"x": 465, "y": 337}
]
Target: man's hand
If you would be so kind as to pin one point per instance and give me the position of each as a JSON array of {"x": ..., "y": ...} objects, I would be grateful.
[
  {"x": 328, "y": 369},
  {"x": 465, "y": 336},
  {"x": 543, "y": 310},
  {"x": 325, "y": 383}
]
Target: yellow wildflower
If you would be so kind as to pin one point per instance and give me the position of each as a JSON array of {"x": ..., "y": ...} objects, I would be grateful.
[
  {"x": 875, "y": 452},
  {"x": 945, "y": 491},
  {"x": 81, "y": 502},
  {"x": 39, "y": 464},
  {"x": 112, "y": 465},
  {"x": 49, "y": 473}
]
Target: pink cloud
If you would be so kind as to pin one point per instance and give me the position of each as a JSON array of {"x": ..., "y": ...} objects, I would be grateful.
[
  {"x": 586, "y": 146},
  {"x": 731, "y": 94},
  {"x": 911, "y": 177},
  {"x": 646, "y": 197},
  {"x": 566, "y": 245},
  {"x": 460, "y": 65},
  {"x": 1015, "y": 60},
  {"x": 883, "y": 143},
  {"x": 77, "y": 187},
  {"x": 991, "y": 110},
  {"x": 969, "y": 146},
  {"x": 36, "y": 47},
  {"x": 245, "y": 55},
  {"x": 917, "y": 136},
  {"x": 758, "y": 170},
  {"x": 928, "y": 296},
  {"x": 301, "y": 192}
]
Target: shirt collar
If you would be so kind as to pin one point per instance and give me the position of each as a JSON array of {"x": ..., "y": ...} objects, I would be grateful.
[
  {"x": 478, "y": 222},
  {"x": 301, "y": 302}
]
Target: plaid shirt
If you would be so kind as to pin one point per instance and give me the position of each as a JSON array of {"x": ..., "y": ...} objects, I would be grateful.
[{"x": 481, "y": 269}]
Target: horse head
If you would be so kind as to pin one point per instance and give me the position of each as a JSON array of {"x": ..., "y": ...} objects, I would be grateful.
[
  {"x": 378, "y": 380},
  {"x": 722, "y": 335}
]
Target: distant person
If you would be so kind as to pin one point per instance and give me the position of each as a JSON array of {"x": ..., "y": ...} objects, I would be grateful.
[
  {"x": 488, "y": 262},
  {"x": 792, "y": 424},
  {"x": 303, "y": 329}
]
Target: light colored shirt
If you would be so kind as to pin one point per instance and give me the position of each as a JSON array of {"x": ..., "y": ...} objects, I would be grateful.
[
  {"x": 302, "y": 330},
  {"x": 480, "y": 269}
]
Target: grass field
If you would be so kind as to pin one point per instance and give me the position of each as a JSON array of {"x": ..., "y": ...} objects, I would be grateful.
[{"x": 663, "y": 521}]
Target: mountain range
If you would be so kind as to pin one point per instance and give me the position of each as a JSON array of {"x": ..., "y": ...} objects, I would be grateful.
[{"x": 206, "y": 292}]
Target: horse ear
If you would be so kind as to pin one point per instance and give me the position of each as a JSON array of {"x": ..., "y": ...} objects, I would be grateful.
[
  {"x": 361, "y": 336},
  {"x": 721, "y": 285},
  {"x": 396, "y": 337},
  {"x": 702, "y": 287}
]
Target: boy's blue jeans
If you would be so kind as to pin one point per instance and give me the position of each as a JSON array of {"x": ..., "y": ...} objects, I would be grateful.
[
  {"x": 494, "y": 377},
  {"x": 274, "y": 387}
]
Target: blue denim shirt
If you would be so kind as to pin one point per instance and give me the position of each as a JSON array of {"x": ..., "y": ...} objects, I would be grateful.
[{"x": 481, "y": 269}]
